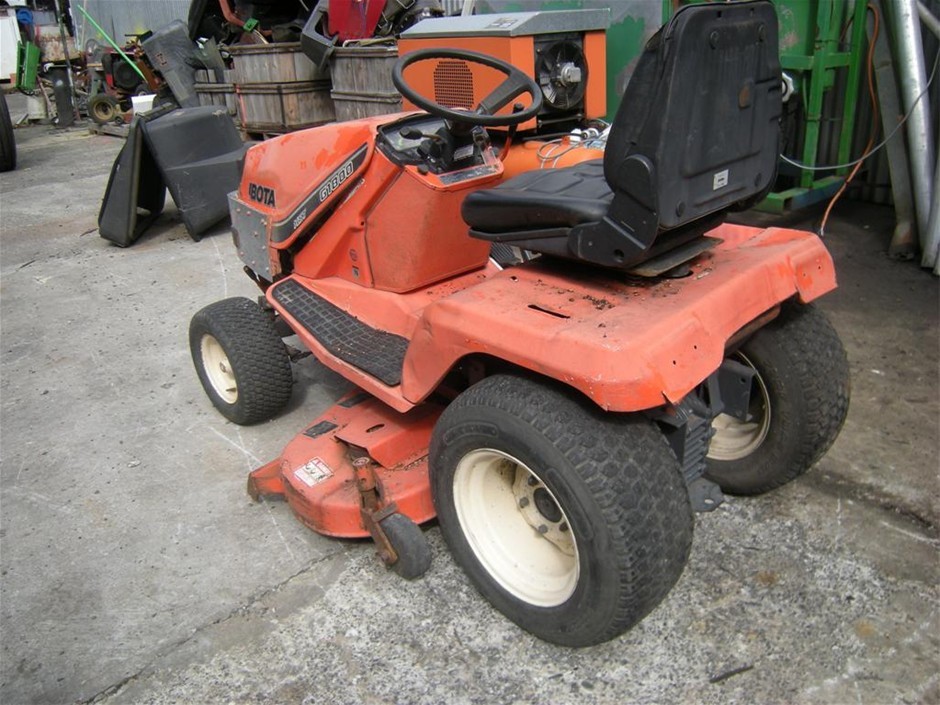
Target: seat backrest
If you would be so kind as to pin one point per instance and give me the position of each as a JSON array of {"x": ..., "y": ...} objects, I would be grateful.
[{"x": 700, "y": 114}]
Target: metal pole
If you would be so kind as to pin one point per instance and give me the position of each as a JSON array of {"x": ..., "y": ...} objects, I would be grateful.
[
  {"x": 904, "y": 242},
  {"x": 933, "y": 222},
  {"x": 62, "y": 121},
  {"x": 927, "y": 17},
  {"x": 110, "y": 41},
  {"x": 913, "y": 77},
  {"x": 81, "y": 40}
]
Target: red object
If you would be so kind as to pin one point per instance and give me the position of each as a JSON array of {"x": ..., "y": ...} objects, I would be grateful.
[
  {"x": 386, "y": 244},
  {"x": 395, "y": 253},
  {"x": 626, "y": 346},
  {"x": 354, "y": 19}
]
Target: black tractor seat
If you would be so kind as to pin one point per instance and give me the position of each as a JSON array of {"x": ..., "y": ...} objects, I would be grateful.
[
  {"x": 696, "y": 135},
  {"x": 541, "y": 199}
]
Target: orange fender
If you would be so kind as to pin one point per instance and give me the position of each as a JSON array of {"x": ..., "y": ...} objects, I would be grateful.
[{"x": 627, "y": 344}]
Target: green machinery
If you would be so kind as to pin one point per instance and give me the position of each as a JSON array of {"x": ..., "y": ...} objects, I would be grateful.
[
  {"x": 812, "y": 34},
  {"x": 27, "y": 66}
]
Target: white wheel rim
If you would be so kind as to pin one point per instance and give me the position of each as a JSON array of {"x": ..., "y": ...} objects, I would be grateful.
[
  {"x": 516, "y": 527},
  {"x": 218, "y": 369},
  {"x": 735, "y": 439}
]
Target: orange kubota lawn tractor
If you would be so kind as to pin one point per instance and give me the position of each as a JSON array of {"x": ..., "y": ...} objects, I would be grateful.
[{"x": 564, "y": 417}]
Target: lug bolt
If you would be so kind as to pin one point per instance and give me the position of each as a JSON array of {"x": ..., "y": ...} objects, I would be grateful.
[
  {"x": 524, "y": 502},
  {"x": 563, "y": 527},
  {"x": 542, "y": 529}
]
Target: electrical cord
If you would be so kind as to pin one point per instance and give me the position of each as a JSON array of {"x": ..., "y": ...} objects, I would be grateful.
[
  {"x": 880, "y": 145},
  {"x": 553, "y": 155},
  {"x": 876, "y": 120},
  {"x": 591, "y": 138}
]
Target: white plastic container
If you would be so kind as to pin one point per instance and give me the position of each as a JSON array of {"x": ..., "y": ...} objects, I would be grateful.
[{"x": 142, "y": 103}]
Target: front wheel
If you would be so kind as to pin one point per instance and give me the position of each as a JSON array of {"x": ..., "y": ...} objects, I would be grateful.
[
  {"x": 799, "y": 402},
  {"x": 573, "y": 523},
  {"x": 241, "y": 360}
]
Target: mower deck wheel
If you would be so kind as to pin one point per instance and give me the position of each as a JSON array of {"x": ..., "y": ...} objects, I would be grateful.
[
  {"x": 406, "y": 537},
  {"x": 799, "y": 402},
  {"x": 241, "y": 361},
  {"x": 572, "y": 522}
]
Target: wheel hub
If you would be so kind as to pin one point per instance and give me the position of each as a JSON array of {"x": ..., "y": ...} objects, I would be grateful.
[
  {"x": 540, "y": 510},
  {"x": 516, "y": 527},
  {"x": 546, "y": 505},
  {"x": 219, "y": 369},
  {"x": 735, "y": 439}
]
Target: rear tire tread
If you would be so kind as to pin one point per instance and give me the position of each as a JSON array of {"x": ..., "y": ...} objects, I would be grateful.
[
  {"x": 800, "y": 345},
  {"x": 632, "y": 476}
]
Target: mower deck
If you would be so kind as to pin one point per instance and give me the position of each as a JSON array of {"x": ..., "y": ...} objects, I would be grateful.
[{"x": 317, "y": 474}]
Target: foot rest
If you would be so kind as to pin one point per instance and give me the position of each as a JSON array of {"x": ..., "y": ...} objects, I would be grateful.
[{"x": 376, "y": 352}]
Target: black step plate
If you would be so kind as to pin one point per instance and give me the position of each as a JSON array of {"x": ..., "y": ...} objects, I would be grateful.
[{"x": 376, "y": 352}]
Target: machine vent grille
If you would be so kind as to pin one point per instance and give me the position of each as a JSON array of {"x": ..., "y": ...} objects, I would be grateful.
[{"x": 453, "y": 84}]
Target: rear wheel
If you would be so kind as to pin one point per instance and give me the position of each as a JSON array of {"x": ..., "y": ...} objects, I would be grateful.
[
  {"x": 572, "y": 522},
  {"x": 799, "y": 402},
  {"x": 241, "y": 361}
]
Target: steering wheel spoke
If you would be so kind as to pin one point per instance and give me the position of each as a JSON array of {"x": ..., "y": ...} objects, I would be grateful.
[
  {"x": 516, "y": 84},
  {"x": 505, "y": 93}
]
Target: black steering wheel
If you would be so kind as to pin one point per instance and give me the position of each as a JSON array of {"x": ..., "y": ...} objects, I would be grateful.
[{"x": 517, "y": 83}]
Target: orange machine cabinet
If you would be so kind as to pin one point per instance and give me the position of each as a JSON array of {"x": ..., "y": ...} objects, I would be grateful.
[{"x": 564, "y": 51}]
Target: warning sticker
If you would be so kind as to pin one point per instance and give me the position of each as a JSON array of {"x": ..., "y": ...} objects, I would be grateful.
[
  {"x": 720, "y": 180},
  {"x": 313, "y": 473}
]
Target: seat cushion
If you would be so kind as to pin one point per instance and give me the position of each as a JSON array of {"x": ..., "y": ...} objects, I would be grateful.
[{"x": 545, "y": 198}]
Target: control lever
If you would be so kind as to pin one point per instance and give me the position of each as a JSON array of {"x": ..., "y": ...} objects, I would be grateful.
[
  {"x": 411, "y": 133},
  {"x": 511, "y": 133}
]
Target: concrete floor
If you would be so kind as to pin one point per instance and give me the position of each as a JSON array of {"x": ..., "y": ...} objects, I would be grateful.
[{"x": 136, "y": 569}]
